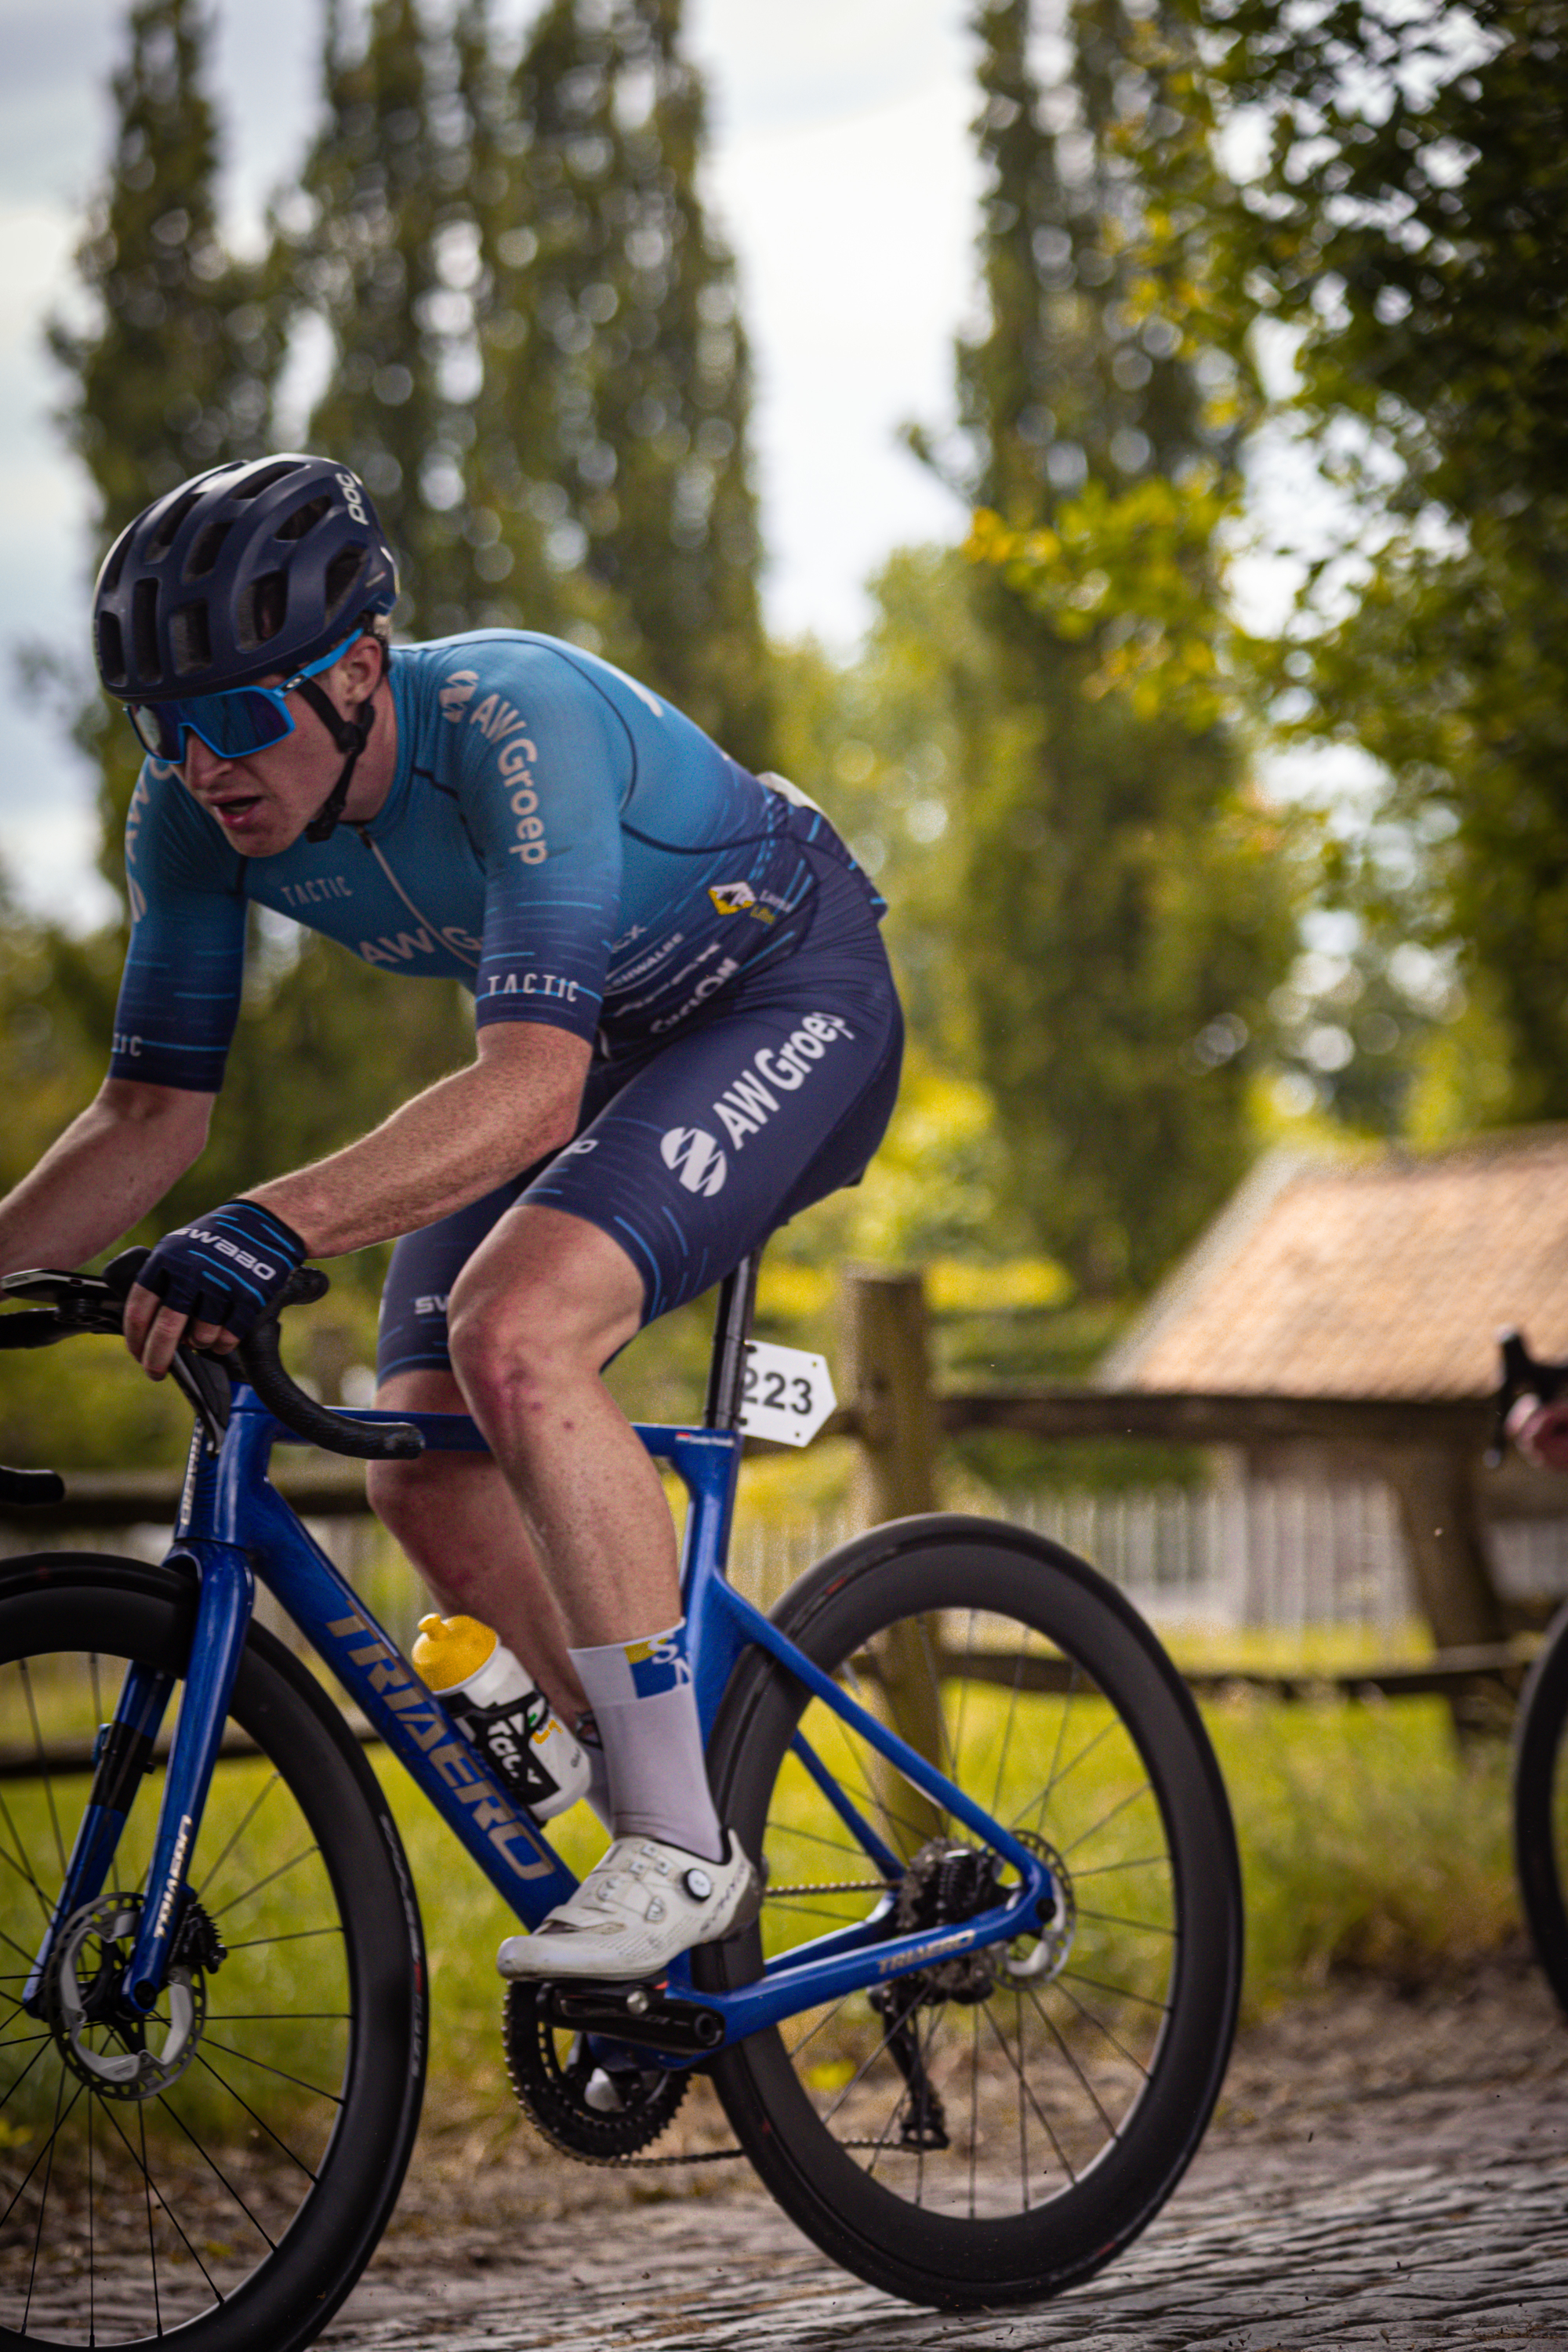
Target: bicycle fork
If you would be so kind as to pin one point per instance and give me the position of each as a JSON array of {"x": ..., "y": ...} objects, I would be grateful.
[{"x": 124, "y": 1757}]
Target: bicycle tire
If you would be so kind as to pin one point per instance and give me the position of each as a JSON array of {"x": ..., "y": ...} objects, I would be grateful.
[
  {"x": 1540, "y": 1804},
  {"x": 238, "y": 2204},
  {"x": 948, "y": 2225}
]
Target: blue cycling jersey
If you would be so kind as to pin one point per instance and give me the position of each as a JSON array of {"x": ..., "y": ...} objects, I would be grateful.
[{"x": 558, "y": 838}]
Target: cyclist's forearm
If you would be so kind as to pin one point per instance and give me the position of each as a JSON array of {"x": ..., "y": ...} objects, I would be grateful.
[
  {"x": 449, "y": 1146},
  {"x": 101, "y": 1176}
]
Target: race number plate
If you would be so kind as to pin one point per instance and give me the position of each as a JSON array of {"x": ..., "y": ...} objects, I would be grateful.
[{"x": 787, "y": 1394}]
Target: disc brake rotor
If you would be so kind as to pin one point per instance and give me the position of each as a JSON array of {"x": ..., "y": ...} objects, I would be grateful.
[{"x": 102, "y": 2039}]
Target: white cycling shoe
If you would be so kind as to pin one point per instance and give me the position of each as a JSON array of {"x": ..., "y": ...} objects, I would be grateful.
[{"x": 638, "y": 1908}]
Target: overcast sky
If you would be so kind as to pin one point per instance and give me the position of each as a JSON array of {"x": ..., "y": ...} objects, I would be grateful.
[{"x": 842, "y": 171}]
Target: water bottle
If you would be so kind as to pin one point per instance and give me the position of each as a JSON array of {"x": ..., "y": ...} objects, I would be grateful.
[{"x": 494, "y": 1703}]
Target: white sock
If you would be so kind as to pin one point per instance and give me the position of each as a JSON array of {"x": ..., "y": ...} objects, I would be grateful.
[
  {"x": 645, "y": 1705},
  {"x": 597, "y": 1793}
]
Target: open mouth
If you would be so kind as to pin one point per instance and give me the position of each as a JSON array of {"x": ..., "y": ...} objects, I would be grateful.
[{"x": 236, "y": 809}]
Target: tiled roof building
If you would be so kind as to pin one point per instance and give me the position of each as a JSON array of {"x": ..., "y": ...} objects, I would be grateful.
[{"x": 1385, "y": 1274}]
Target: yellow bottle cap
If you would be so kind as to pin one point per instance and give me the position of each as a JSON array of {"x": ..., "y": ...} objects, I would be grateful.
[{"x": 450, "y": 1649}]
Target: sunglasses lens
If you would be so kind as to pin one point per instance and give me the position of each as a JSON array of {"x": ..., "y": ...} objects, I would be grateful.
[
  {"x": 233, "y": 724},
  {"x": 249, "y": 719},
  {"x": 157, "y": 728}
]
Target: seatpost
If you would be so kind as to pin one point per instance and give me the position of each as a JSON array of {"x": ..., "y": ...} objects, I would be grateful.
[{"x": 732, "y": 1328}]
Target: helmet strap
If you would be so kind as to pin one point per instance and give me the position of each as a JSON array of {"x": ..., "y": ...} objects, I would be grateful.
[{"x": 351, "y": 735}]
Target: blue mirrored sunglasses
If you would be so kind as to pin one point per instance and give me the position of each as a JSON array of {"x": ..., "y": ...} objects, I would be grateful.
[{"x": 247, "y": 718}]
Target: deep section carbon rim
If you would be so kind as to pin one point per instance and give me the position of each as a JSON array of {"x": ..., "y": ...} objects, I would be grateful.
[
  {"x": 995, "y": 2125},
  {"x": 226, "y": 2164}
]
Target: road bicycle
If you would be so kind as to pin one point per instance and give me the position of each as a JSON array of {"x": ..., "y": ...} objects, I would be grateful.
[
  {"x": 1540, "y": 1746},
  {"x": 970, "y": 2046}
]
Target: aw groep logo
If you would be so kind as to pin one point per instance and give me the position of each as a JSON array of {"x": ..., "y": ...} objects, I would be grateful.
[{"x": 696, "y": 1158}]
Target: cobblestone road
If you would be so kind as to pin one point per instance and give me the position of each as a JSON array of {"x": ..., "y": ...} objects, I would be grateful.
[{"x": 1350, "y": 2196}]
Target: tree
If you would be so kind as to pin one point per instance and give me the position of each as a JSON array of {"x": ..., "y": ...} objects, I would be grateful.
[
  {"x": 630, "y": 381},
  {"x": 380, "y": 247},
  {"x": 1408, "y": 231},
  {"x": 1122, "y": 914},
  {"x": 176, "y": 371}
]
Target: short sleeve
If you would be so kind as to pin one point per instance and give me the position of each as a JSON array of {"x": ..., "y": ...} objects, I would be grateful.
[
  {"x": 179, "y": 994},
  {"x": 545, "y": 777}
]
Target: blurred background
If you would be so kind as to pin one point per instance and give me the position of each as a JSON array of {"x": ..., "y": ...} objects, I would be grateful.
[{"x": 1110, "y": 451}]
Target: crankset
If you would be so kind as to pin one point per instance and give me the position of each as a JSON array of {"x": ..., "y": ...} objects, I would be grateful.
[{"x": 598, "y": 2114}]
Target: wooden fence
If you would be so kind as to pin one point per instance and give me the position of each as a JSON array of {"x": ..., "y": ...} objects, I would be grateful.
[{"x": 1425, "y": 1453}]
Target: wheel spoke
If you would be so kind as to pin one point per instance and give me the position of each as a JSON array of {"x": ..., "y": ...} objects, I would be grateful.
[
  {"x": 1050, "y": 2025},
  {"x": 246, "y": 1819},
  {"x": 164, "y": 2205},
  {"x": 18, "y": 1861},
  {"x": 270, "y": 1880},
  {"x": 42, "y": 1754},
  {"x": 283, "y": 2075}
]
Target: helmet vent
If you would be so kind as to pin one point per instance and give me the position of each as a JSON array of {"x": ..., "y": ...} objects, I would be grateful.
[
  {"x": 205, "y": 554},
  {"x": 266, "y": 607},
  {"x": 263, "y": 479},
  {"x": 191, "y": 640},
  {"x": 111, "y": 650},
  {"x": 342, "y": 572},
  {"x": 303, "y": 519},
  {"x": 114, "y": 566},
  {"x": 163, "y": 539},
  {"x": 145, "y": 628}
]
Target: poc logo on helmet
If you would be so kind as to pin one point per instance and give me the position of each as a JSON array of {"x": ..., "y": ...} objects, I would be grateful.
[
  {"x": 354, "y": 498},
  {"x": 696, "y": 1158}
]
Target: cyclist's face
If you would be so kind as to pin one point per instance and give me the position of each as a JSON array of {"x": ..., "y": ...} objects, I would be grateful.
[{"x": 264, "y": 800}]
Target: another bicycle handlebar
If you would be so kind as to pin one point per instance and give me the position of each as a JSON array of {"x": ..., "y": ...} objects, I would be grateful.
[{"x": 88, "y": 1302}]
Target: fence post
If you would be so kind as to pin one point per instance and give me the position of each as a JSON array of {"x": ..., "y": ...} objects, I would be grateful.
[
  {"x": 1435, "y": 1493},
  {"x": 887, "y": 1369}
]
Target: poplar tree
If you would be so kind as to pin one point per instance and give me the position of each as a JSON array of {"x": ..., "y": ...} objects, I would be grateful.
[
  {"x": 629, "y": 383},
  {"x": 1120, "y": 923},
  {"x": 176, "y": 370},
  {"x": 367, "y": 264}
]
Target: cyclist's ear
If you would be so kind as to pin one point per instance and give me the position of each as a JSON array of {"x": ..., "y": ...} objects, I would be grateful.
[{"x": 121, "y": 1271}]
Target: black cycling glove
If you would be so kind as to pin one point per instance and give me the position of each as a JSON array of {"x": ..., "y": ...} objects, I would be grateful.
[{"x": 227, "y": 1268}]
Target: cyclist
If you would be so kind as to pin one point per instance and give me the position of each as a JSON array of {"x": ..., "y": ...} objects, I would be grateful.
[
  {"x": 1540, "y": 1432},
  {"x": 686, "y": 1032}
]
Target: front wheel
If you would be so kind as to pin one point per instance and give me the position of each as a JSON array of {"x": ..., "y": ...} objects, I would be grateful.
[
  {"x": 989, "y": 2129},
  {"x": 1540, "y": 1805},
  {"x": 225, "y": 2168}
]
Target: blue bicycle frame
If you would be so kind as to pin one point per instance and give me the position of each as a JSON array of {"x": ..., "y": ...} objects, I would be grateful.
[{"x": 234, "y": 1526}]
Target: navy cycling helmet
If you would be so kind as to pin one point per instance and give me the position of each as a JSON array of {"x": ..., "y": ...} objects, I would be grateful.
[{"x": 255, "y": 568}]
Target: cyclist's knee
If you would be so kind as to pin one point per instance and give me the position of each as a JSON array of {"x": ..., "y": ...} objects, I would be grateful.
[{"x": 537, "y": 1305}]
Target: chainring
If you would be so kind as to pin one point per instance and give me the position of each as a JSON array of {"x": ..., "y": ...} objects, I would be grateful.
[{"x": 552, "y": 2088}]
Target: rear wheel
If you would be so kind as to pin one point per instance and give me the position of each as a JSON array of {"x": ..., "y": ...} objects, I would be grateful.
[
  {"x": 227, "y": 2168},
  {"x": 1540, "y": 1805},
  {"x": 994, "y": 2127}
]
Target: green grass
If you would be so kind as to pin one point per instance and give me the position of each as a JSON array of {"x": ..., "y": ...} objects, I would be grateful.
[{"x": 1370, "y": 1845}]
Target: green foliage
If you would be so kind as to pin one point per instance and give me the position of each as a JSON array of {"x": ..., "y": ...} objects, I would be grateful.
[
  {"x": 176, "y": 371},
  {"x": 1123, "y": 906},
  {"x": 1369, "y": 1846},
  {"x": 377, "y": 246},
  {"x": 614, "y": 333},
  {"x": 1407, "y": 234}
]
